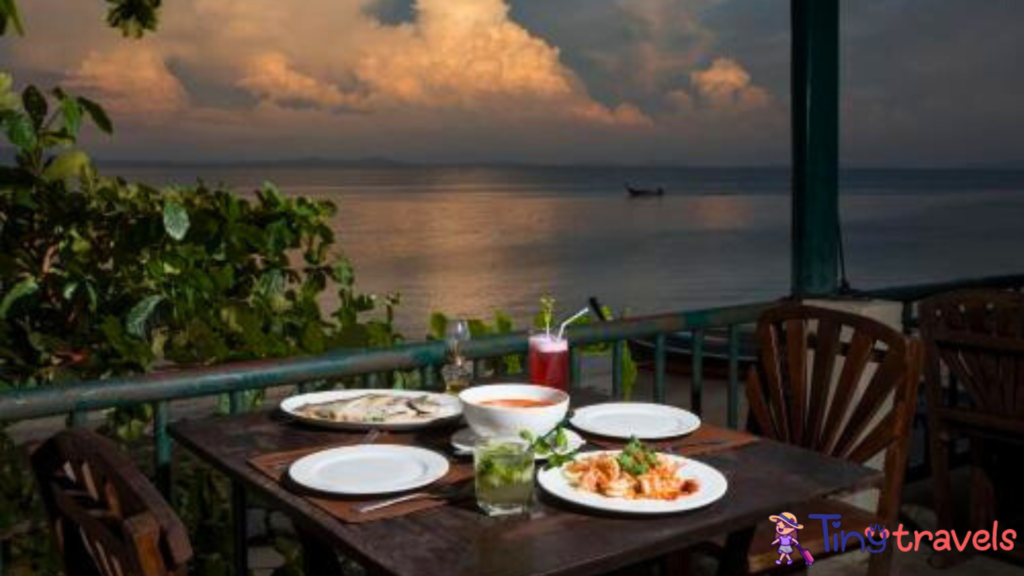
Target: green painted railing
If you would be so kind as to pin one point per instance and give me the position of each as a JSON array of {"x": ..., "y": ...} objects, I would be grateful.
[
  {"x": 77, "y": 399},
  {"x": 370, "y": 366}
]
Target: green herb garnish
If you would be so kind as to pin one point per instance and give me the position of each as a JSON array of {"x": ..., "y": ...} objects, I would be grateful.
[
  {"x": 553, "y": 446},
  {"x": 636, "y": 459},
  {"x": 547, "y": 311}
]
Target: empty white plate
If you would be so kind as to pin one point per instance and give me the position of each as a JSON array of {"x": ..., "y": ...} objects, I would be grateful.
[
  {"x": 628, "y": 419},
  {"x": 465, "y": 439},
  {"x": 369, "y": 469}
]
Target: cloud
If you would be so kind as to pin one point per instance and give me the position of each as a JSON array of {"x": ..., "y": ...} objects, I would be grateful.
[
  {"x": 272, "y": 78},
  {"x": 131, "y": 80},
  {"x": 456, "y": 54},
  {"x": 451, "y": 80},
  {"x": 463, "y": 53},
  {"x": 667, "y": 39},
  {"x": 725, "y": 85}
]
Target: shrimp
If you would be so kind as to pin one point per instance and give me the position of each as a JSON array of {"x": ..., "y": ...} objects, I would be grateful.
[
  {"x": 608, "y": 468},
  {"x": 589, "y": 481},
  {"x": 619, "y": 488},
  {"x": 603, "y": 474}
]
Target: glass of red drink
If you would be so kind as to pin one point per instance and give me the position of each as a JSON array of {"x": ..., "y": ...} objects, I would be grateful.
[{"x": 549, "y": 361}]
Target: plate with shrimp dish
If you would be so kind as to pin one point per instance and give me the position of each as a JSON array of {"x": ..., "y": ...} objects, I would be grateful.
[{"x": 634, "y": 480}]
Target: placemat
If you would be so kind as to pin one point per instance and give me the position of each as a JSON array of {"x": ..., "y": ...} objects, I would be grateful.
[
  {"x": 275, "y": 465},
  {"x": 707, "y": 438}
]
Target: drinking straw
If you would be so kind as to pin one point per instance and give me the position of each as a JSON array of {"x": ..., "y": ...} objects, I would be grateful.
[{"x": 561, "y": 327}]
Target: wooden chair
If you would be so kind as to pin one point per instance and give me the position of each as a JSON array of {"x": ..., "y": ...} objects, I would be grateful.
[
  {"x": 976, "y": 337},
  {"x": 842, "y": 385},
  {"x": 107, "y": 519}
]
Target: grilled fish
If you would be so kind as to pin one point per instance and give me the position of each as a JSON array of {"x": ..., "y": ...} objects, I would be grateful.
[{"x": 374, "y": 408}]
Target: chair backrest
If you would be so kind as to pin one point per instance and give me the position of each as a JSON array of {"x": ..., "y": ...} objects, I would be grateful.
[
  {"x": 107, "y": 519},
  {"x": 978, "y": 335},
  {"x": 834, "y": 403}
]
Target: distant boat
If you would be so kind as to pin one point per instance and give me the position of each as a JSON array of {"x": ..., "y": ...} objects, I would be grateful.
[{"x": 641, "y": 192}]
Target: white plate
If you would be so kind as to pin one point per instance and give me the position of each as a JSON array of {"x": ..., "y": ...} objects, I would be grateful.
[
  {"x": 713, "y": 486},
  {"x": 628, "y": 419},
  {"x": 451, "y": 409},
  {"x": 464, "y": 440},
  {"x": 369, "y": 469}
]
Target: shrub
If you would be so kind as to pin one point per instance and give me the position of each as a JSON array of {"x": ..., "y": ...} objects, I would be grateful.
[{"x": 101, "y": 277}]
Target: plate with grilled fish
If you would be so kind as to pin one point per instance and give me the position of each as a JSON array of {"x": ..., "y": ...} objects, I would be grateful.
[{"x": 364, "y": 409}]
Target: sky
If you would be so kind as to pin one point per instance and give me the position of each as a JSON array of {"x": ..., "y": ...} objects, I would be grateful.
[{"x": 684, "y": 82}]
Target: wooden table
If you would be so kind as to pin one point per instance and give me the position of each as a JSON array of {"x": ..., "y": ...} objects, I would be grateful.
[{"x": 765, "y": 478}]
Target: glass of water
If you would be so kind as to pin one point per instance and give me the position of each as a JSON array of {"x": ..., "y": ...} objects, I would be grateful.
[{"x": 504, "y": 475}]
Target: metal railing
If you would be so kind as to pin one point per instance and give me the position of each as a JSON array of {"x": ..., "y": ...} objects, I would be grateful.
[{"x": 77, "y": 399}]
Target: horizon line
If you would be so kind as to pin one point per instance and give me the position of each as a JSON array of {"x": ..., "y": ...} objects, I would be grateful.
[{"x": 382, "y": 162}]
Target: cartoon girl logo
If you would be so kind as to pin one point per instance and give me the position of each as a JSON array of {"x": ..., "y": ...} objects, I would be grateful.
[{"x": 786, "y": 527}]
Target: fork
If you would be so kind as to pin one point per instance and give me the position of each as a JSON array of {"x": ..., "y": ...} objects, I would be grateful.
[{"x": 443, "y": 493}]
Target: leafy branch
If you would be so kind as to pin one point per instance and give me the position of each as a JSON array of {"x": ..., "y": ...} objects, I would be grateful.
[
  {"x": 133, "y": 17},
  {"x": 100, "y": 277}
]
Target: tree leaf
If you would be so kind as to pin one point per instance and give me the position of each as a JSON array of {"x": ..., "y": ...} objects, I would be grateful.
[
  {"x": 71, "y": 110},
  {"x": 67, "y": 165},
  {"x": 176, "y": 220},
  {"x": 9, "y": 15},
  {"x": 133, "y": 17},
  {"x": 35, "y": 104},
  {"x": 343, "y": 273},
  {"x": 19, "y": 130},
  {"x": 139, "y": 315},
  {"x": 502, "y": 322},
  {"x": 438, "y": 325},
  {"x": 18, "y": 291},
  {"x": 97, "y": 114},
  {"x": 8, "y": 99}
]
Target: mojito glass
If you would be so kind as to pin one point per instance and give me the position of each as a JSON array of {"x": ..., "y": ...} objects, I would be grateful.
[{"x": 504, "y": 475}]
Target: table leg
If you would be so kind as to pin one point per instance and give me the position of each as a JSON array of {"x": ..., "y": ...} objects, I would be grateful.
[
  {"x": 734, "y": 556},
  {"x": 317, "y": 557},
  {"x": 239, "y": 529},
  {"x": 678, "y": 563}
]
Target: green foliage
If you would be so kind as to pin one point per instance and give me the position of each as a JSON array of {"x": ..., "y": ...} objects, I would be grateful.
[
  {"x": 133, "y": 17},
  {"x": 9, "y": 18},
  {"x": 101, "y": 277},
  {"x": 547, "y": 312}
]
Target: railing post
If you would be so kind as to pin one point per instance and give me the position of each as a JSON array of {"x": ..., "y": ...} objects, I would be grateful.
[
  {"x": 618, "y": 351},
  {"x": 239, "y": 507},
  {"x": 575, "y": 376},
  {"x": 815, "y": 127},
  {"x": 697, "y": 373},
  {"x": 78, "y": 418},
  {"x": 162, "y": 452},
  {"x": 734, "y": 376},
  {"x": 659, "y": 367}
]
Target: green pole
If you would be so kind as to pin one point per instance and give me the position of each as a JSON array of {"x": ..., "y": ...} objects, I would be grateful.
[{"x": 815, "y": 117}]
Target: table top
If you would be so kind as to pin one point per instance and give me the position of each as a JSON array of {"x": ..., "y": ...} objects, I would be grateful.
[{"x": 765, "y": 478}]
